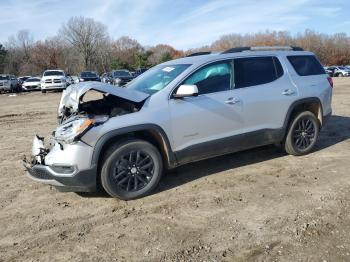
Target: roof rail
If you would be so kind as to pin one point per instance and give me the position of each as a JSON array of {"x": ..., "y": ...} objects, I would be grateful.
[
  {"x": 237, "y": 49},
  {"x": 297, "y": 48},
  {"x": 199, "y": 53},
  {"x": 263, "y": 48}
]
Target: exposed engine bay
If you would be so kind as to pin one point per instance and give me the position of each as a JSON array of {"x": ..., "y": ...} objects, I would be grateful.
[
  {"x": 111, "y": 101},
  {"x": 109, "y": 105}
]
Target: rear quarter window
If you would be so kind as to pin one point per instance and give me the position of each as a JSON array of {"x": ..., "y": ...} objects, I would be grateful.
[{"x": 306, "y": 65}]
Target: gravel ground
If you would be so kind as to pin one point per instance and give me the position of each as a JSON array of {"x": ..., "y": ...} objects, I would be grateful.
[{"x": 256, "y": 205}]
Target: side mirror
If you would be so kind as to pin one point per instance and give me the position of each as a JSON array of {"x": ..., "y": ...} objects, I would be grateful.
[{"x": 186, "y": 91}]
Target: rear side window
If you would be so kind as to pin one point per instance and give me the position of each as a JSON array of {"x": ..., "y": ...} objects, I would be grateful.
[
  {"x": 252, "y": 71},
  {"x": 306, "y": 65}
]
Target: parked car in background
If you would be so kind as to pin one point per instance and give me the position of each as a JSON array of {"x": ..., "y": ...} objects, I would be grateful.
[
  {"x": 21, "y": 79},
  {"x": 75, "y": 79},
  {"x": 140, "y": 71},
  {"x": 69, "y": 79},
  {"x": 9, "y": 83},
  {"x": 106, "y": 78},
  {"x": 103, "y": 77},
  {"x": 181, "y": 111},
  {"x": 53, "y": 80},
  {"x": 32, "y": 83},
  {"x": 328, "y": 71},
  {"x": 331, "y": 69},
  {"x": 340, "y": 71},
  {"x": 121, "y": 77},
  {"x": 89, "y": 76}
]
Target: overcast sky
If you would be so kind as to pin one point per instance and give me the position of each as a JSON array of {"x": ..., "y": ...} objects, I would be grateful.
[{"x": 180, "y": 23}]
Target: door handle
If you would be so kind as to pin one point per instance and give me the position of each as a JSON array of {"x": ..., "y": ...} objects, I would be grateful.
[
  {"x": 288, "y": 92},
  {"x": 232, "y": 101}
]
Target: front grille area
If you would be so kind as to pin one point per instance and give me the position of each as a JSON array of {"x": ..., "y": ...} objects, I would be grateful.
[
  {"x": 32, "y": 87},
  {"x": 57, "y": 81},
  {"x": 48, "y": 81}
]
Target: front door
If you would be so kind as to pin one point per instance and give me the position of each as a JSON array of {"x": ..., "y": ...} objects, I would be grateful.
[{"x": 200, "y": 123}]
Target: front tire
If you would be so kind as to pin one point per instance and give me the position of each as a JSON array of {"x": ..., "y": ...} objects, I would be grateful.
[
  {"x": 302, "y": 134},
  {"x": 131, "y": 169}
]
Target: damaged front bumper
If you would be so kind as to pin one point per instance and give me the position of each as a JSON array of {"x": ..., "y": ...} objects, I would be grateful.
[{"x": 65, "y": 166}]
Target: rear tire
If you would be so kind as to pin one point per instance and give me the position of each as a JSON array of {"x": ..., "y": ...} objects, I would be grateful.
[
  {"x": 43, "y": 91},
  {"x": 302, "y": 134},
  {"x": 131, "y": 169}
]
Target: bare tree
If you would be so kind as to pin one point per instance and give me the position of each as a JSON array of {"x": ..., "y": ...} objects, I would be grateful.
[
  {"x": 125, "y": 50},
  {"x": 86, "y": 35},
  {"x": 47, "y": 54},
  {"x": 162, "y": 53},
  {"x": 25, "y": 41},
  {"x": 104, "y": 56},
  {"x": 3, "y": 53},
  {"x": 18, "y": 56}
]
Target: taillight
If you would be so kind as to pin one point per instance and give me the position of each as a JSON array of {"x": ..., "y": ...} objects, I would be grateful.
[{"x": 330, "y": 80}]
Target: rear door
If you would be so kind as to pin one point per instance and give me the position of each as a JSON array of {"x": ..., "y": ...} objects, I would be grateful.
[
  {"x": 265, "y": 92},
  {"x": 310, "y": 77}
]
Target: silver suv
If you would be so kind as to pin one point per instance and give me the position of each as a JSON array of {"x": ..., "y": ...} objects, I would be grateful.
[
  {"x": 181, "y": 111},
  {"x": 8, "y": 83}
]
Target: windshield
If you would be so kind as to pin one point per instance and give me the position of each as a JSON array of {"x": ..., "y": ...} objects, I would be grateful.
[
  {"x": 88, "y": 74},
  {"x": 33, "y": 80},
  {"x": 53, "y": 73},
  {"x": 121, "y": 73},
  {"x": 156, "y": 78},
  {"x": 342, "y": 68},
  {"x": 4, "y": 78}
]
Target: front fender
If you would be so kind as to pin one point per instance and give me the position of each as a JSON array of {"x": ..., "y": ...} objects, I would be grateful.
[{"x": 109, "y": 136}]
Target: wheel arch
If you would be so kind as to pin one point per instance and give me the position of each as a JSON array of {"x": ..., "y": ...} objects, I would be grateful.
[
  {"x": 149, "y": 132},
  {"x": 312, "y": 104}
]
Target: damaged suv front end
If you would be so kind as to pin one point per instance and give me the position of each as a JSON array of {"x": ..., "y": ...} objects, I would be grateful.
[{"x": 66, "y": 161}]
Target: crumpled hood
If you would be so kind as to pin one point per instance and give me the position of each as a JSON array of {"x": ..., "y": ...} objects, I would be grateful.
[{"x": 72, "y": 94}]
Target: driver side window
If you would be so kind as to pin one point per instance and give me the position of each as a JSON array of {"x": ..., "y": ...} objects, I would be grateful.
[{"x": 212, "y": 78}]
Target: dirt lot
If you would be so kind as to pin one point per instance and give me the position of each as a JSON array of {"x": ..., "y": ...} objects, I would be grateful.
[{"x": 257, "y": 205}]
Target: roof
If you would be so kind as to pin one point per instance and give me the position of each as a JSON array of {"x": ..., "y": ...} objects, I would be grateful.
[{"x": 200, "y": 59}]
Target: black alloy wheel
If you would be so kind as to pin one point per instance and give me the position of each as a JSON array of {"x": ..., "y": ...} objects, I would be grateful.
[
  {"x": 304, "y": 133},
  {"x": 133, "y": 171}
]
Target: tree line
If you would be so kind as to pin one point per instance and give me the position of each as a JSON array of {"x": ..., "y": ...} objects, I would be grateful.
[{"x": 84, "y": 44}]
